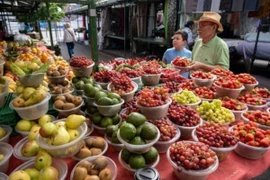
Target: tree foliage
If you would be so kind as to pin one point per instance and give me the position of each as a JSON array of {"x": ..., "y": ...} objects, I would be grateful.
[{"x": 56, "y": 13}]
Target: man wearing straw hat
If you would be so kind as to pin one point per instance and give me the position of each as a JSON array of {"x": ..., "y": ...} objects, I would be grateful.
[{"x": 210, "y": 51}]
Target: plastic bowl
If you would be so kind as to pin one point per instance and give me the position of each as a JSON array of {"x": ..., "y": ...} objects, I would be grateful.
[
  {"x": 127, "y": 96},
  {"x": 57, "y": 79},
  {"x": 109, "y": 110},
  {"x": 90, "y": 130},
  {"x": 250, "y": 152},
  {"x": 66, "y": 113},
  {"x": 8, "y": 130},
  {"x": 3, "y": 176},
  {"x": 59, "y": 164},
  {"x": 232, "y": 93},
  {"x": 71, "y": 90},
  {"x": 150, "y": 79},
  {"x": 137, "y": 80},
  {"x": 116, "y": 147},
  {"x": 268, "y": 110},
  {"x": 139, "y": 149},
  {"x": 17, "y": 150},
  {"x": 157, "y": 112},
  {"x": 2, "y": 63},
  {"x": 162, "y": 146},
  {"x": 237, "y": 114},
  {"x": 103, "y": 85},
  {"x": 65, "y": 150},
  {"x": 93, "y": 157},
  {"x": 80, "y": 71},
  {"x": 7, "y": 150},
  {"x": 249, "y": 87},
  {"x": 89, "y": 100},
  {"x": 194, "y": 105},
  {"x": 182, "y": 173},
  {"x": 246, "y": 121},
  {"x": 182, "y": 69},
  {"x": 256, "y": 107},
  {"x": 31, "y": 80},
  {"x": 186, "y": 132},
  {"x": 34, "y": 111},
  {"x": 198, "y": 82},
  {"x": 221, "y": 152},
  {"x": 111, "y": 165},
  {"x": 127, "y": 167}
]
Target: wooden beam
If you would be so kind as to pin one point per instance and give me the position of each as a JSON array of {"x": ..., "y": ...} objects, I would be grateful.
[{"x": 63, "y": 1}]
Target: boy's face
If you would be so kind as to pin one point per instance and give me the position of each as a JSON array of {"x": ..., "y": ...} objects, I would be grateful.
[{"x": 178, "y": 42}]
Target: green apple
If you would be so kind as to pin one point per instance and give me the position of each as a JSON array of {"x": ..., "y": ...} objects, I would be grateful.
[
  {"x": 44, "y": 119},
  {"x": 2, "y": 132},
  {"x": 48, "y": 173},
  {"x": 24, "y": 125},
  {"x": 33, "y": 173},
  {"x": 42, "y": 160},
  {"x": 19, "y": 175},
  {"x": 33, "y": 66}
]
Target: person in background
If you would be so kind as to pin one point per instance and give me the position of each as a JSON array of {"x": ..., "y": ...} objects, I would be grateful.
[
  {"x": 189, "y": 26},
  {"x": 99, "y": 39},
  {"x": 26, "y": 27},
  {"x": 209, "y": 51},
  {"x": 69, "y": 39},
  {"x": 178, "y": 49}
]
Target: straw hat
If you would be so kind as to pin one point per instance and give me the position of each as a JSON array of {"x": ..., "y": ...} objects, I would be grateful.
[{"x": 211, "y": 17}]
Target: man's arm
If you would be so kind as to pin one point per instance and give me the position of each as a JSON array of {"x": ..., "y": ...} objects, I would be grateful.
[{"x": 204, "y": 67}]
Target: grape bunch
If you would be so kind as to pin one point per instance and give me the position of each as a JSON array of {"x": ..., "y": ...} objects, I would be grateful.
[
  {"x": 121, "y": 84},
  {"x": 185, "y": 97},
  {"x": 153, "y": 97},
  {"x": 215, "y": 112},
  {"x": 131, "y": 73},
  {"x": 183, "y": 115},
  {"x": 204, "y": 92},
  {"x": 104, "y": 76},
  {"x": 190, "y": 155},
  {"x": 188, "y": 85},
  {"x": 172, "y": 86},
  {"x": 80, "y": 61},
  {"x": 215, "y": 135}
]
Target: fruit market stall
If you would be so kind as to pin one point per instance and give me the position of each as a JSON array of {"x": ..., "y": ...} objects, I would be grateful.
[{"x": 131, "y": 114}]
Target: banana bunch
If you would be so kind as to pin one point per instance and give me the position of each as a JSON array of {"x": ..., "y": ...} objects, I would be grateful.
[{"x": 12, "y": 84}]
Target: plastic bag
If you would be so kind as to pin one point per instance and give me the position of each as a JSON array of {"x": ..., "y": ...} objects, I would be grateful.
[{"x": 22, "y": 38}]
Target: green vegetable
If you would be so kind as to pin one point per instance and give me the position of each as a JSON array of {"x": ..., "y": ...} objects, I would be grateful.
[
  {"x": 43, "y": 68},
  {"x": 16, "y": 69}
]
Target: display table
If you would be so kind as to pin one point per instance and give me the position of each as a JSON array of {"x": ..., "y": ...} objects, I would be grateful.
[{"x": 232, "y": 168}]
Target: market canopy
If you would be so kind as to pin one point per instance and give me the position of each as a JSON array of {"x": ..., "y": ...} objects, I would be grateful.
[{"x": 19, "y": 6}]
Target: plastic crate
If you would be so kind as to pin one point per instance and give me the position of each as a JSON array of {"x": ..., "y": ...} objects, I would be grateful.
[{"x": 9, "y": 116}]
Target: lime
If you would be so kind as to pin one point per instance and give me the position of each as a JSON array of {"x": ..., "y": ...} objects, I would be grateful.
[
  {"x": 92, "y": 109},
  {"x": 99, "y": 95},
  {"x": 97, "y": 118},
  {"x": 138, "y": 130},
  {"x": 116, "y": 119},
  {"x": 106, "y": 121},
  {"x": 136, "y": 119},
  {"x": 125, "y": 155},
  {"x": 75, "y": 80},
  {"x": 87, "y": 88},
  {"x": 149, "y": 131},
  {"x": 127, "y": 131},
  {"x": 115, "y": 101},
  {"x": 98, "y": 86},
  {"x": 151, "y": 155},
  {"x": 115, "y": 139},
  {"x": 92, "y": 92},
  {"x": 122, "y": 123},
  {"x": 111, "y": 129},
  {"x": 104, "y": 101},
  {"x": 114, "y": 95},
  {"x": 137, "y": 140},
  {"x": 136, "y": 161}
]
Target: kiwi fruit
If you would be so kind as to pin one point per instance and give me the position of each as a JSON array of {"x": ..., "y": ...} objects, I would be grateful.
[
  {"x": 69, "y": 98},
  {"x": 49, "y": 73},
  {"x": 58, "y": 104},
  {"x": 86, "y": 164},
  {"x": 62, "y": 72},
  {"x": 89, "y": 142},
  {"x": 60, "y": 97},
  {"x": 101, "y": 162},
  {"x": 65, "y": 83},
  {"x": 58, "y": 90},
  {"x": 99, "y": 142},
  {"x": 95, "y": 151},
  {"x": 80, "y": 173},
  {"x": 68, "y": 106},
  {"x": 77, "y": 101},
  {"x": 65, "y": 90},
  {"x": 94, "y": 172},
  {"x": 106, "y": 174},
  {"x": 83, "y": 153},
  {"x": 56, "y": 73},
  {"x": 92, "y": 177}
]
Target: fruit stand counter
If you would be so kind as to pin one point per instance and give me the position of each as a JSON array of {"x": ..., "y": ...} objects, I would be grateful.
[{"x": 233, "y": 167}]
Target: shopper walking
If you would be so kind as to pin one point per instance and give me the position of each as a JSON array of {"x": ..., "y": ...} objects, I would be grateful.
[{"x": 69, "y": 39}]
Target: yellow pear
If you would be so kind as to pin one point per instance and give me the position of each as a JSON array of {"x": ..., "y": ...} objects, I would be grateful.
[
  {"x": 33, "y": 132},
  {"x": 36, "y": 97},
  {"x": 60, "y": 136},
  {"x": 19, "y": 175},
  {"x": 74, "y": 121},
  {"x": 27, "y": 92},
  {"x": 74, "y": 134},
  {"x": 48, "y": 173},
  {"x": 42, "y": 160}
]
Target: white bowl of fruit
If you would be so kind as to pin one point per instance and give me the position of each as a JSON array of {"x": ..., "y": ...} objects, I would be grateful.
[
  {"x": 248, "y": 81},
  {"x": 219, "y": 138},
  {"x": 189, "y": 166},
  {"x": 130, "y": 160},
  {"x": 252, "y": 145},
  {"x": 184, "y": 118},
  {"x": 253, "y": 101},
  {"x": 260, "y": 117},
  {"x": 5, "y": 152},
  {"x": 182, "y": 64},
  {"x": 187, "y": 98},
  {"x": 169, "y": 134},
  {"x": 221, "y": 72},
  {"x": 206, "y": 94},
  {"x": 228, "y": 86},
  {"x": 202, "y": 78},
  {"x": 264, "y": 92},
  {"x": 5, "y": 131}
]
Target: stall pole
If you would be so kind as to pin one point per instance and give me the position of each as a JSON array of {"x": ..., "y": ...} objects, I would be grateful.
[
  {"x": 49, "y": 23},
  {"x": 125, "y": 29},
  {"x": 93, "y": 31}
]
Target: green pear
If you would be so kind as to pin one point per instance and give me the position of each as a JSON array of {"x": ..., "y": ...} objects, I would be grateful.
[
  {"x": 33, "y": 173},
  {"x": 30, "y": 149},
  {"x": 24, "y": 125},
  {"x": 44, "y": 119},
  {"x": 42, "y": 160},
  {"x": 33, "y": 66},
  {"x": 73, "y": 133},
  {"x": 61, "y": 123},
  {"x": 74, "y": 121},
  {"x": 19, "y": 175},
  {"x": 3, "y": 132},
  {"x": 48, "y": 173},
  {"x": 60, "y": 136},
  {"x": 33, "y": 132},
  {"x": 27, "y": 92},
  {"x": 37, "y": 96},
  {"x": 47, "y": 129},
  {"x": 19, "y": 89}
]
